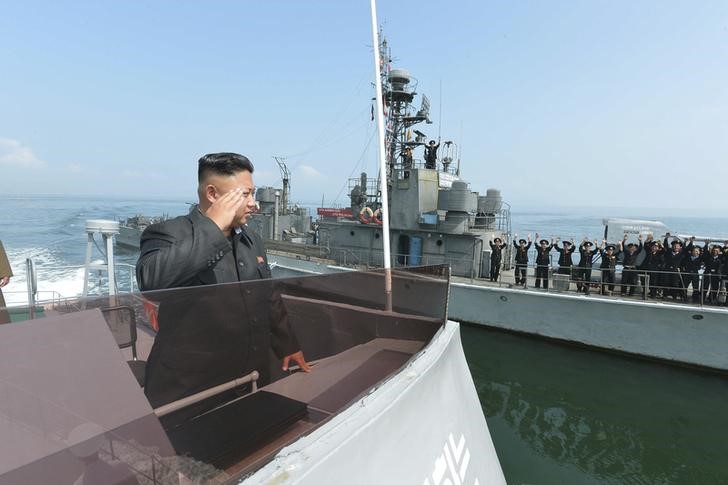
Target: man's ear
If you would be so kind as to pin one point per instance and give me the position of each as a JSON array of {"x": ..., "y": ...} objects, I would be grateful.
[{"x": 210, "y": 193}]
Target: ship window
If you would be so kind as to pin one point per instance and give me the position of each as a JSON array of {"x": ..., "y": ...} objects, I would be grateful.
[
  {"x": 376, "y": 235},
  {"x": 439, "y": 242},
  {"x": 351, "y": 233}
]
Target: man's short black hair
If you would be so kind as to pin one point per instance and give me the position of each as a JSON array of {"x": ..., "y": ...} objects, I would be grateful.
[{"x": 222, "y": 164}]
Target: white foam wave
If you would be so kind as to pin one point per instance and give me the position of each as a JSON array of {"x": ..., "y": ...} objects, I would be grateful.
[{"x": 54, "y": 277}]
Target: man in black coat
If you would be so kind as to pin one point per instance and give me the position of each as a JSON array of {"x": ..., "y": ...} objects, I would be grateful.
[
  {"x": 692, "y": 264},
  {"x": 521, "y": 259},
  {"x": 587, "y": 251},
  {"x": 630, "y": 252},
  {"x": 565, "y": 256},
  {"x": 608, "y": 266},
  {"x": 674, "y": 267},
  {"x": 496, "y": 255},
  {"x": 652, "y": 265},
  {"x": 210, "y": 335},
  {"x": 712, "y": 260},
  {"x": 543, "y": 260}
]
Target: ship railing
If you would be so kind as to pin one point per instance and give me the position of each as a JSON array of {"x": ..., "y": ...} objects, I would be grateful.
[{"x": 699, "y": 288}]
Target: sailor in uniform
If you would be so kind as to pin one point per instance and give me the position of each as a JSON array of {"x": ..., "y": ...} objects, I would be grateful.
[
  {"x": 543, "y": 259},
  {"x": 712, "y": 260},
  {"x": 693, "y": 262},
  {"x": 565, "y": 256},
  {"x": 673, "y": 267},
  {"x": 521, "y": 259},
  {"x": 431, "y": 155},
  {"x": 653, "y": 264},
  {"x": 609, "y": 263},
  {"x": 587, "y": 251},
  {"x": 629, "y": 264},
  {"x": 496, "y": 248}
]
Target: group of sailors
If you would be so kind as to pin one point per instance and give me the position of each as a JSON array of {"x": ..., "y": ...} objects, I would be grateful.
[{"x": 669, "y": 268}]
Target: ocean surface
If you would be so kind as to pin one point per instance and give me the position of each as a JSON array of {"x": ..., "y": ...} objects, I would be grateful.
[{"x": 556, "y": 414}]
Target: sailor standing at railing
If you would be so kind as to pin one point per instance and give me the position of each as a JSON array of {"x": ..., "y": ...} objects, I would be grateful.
[
  {"x": 496, "y": 252},
  {"x": 629, "y": 263},
  {"x": 587, "y": 251},
  {"x": 653, "y": 264},
  {"x": 693, "y": 264},
  {"x": 609, "y": 254},
  {"x": 674, "y": 266},
  {"x": 712, "y": 260},
  {"x": 543, "y": 260},
  {"x": 565, "y": 256},
  {"x": 521, "y": 259}
]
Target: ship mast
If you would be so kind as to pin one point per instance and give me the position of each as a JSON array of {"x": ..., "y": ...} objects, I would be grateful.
[{"x": 382, "y": 161}]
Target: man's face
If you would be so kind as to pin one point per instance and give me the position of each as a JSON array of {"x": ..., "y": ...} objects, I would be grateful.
[
  {"x": 610, "y": 250},
  {"x": 696, "y": 251},
  {"x": 243, "y": 181},
  {"x": 715, "y": 251}
]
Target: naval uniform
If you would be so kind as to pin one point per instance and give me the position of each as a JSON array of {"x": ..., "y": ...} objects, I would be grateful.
[
  {"x": 692, "y": 266},
  {"x": 586, "y": 262},
  {"x": 712, "y": 274},
  {"x": 652, "y": 267},
  {"x": 208, "y": 334},
  {"x": 673, "y": 267},
  {"x": 521, "y": 262},
  {"x": 608, "y": 267},
  {"x": 629, "y": 271},
  {"x": 542, "y": 265},
  {"x": 565, "y": 258},
  {"x": 496, "y": 255}
]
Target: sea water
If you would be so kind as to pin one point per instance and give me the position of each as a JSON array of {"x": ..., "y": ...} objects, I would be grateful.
[{"x": 556, "y": 414}]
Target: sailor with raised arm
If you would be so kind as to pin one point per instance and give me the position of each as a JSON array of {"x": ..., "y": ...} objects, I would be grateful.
[
  {"x": 587, "y": 251},
  {"x": 630, "y": 252},
  {"x": 608, "y": 266},
  {"x": 496, "y": 254},
  {"x": 565, "y": 256},
  {"x": 543, "y": 260},
  {"x": 521, "y": 258}
]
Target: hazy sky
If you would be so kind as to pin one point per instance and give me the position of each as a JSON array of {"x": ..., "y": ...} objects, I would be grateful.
[{"x": 582, "y": 103}]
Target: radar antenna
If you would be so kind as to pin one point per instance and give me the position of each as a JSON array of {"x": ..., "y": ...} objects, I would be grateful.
[{"x": 286, "y": 176}]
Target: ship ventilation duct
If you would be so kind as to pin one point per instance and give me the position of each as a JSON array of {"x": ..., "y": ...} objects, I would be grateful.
[
  {"x": 459, "y": 201},
  {"x": 491, "y": 203}
]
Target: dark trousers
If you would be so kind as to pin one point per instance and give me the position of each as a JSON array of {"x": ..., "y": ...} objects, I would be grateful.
[
  {"x": 629, "y": 281},
  {"x": 654, "y": 279},
  {"x": 583, "y": 280},
  {"x": 711, "y": 285},
  {"x": 564, "y": 270},
  {"x": 607, "y": 280},
  {"x": 520, "y": 273},
  {"x": 494, "y": 269},
  {"x": 692, "y": 279},
  {"x": 673, "y": 283},
  {"x": 542, "y": 273}
]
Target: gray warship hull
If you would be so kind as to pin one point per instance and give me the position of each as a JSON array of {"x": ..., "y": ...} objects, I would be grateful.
[{"x": 675, "y": 333}]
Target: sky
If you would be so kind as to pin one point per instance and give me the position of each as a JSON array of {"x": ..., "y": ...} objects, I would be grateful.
[{"x": 574, "y": 104}]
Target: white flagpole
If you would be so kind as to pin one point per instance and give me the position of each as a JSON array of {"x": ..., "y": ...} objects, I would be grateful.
[{"x": 382, "y": 161}]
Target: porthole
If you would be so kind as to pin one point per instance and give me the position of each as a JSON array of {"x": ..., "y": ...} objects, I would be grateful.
[
  {"x": 439, "y": 242},
  {"x": 503, "y": 298},
  {"x": 351, "y": 233},
  {"x": 697, "y": 317}
]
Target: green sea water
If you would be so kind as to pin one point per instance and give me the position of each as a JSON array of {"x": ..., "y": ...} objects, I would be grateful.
[{"x": 559, "y": 414}]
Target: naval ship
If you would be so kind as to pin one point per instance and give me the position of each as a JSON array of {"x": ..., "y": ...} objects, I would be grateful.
[{"x": 437, "y": 218}]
